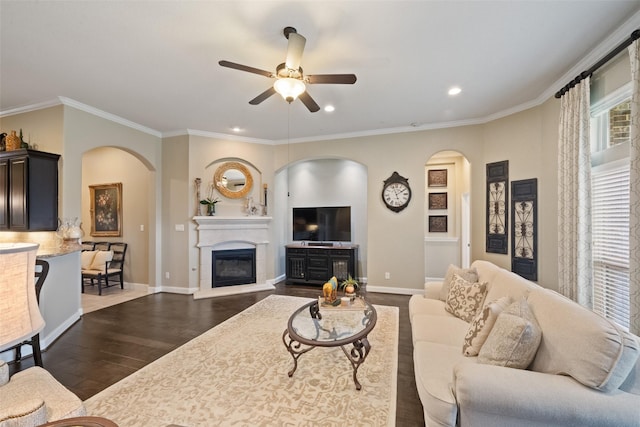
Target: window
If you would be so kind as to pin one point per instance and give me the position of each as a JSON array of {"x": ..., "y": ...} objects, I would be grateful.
[
  {"x": 610, "y": 207},
  {"x": 610, "y": 233}
]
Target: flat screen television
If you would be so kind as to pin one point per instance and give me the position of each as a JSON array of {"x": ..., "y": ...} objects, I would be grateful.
[{"x": 322, "y": 224}]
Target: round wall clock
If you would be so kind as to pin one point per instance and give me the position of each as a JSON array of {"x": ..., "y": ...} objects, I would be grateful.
[{"x": 396, "y": 193}]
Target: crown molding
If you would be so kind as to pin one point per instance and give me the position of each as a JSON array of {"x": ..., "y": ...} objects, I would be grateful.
[
  {"x": 30, "y": 108},
  {"x": 216, "y": 135},
  {"x": 108, "y": 116}
]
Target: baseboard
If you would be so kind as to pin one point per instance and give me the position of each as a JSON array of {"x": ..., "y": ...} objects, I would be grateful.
[
  {"x": 177, "y": 290},
  {"x": 46, "y": 341},
  {"x": 398, "y": 291}
]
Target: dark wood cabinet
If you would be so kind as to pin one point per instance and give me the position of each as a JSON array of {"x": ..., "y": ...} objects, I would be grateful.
[
  {"x": 316, "y": 264},
  {"x": 28, "y": 190}
]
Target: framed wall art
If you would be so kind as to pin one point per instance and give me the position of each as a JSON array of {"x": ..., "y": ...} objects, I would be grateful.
[
  {"x": 106, "y": 210},
  {"x": 437, "y": 223},
  {"x": 437, "y": 178},
  {"x": 497, "y": 207},
  {"x": 437, "y": 201},
  {"x": 524, "y": 228}
]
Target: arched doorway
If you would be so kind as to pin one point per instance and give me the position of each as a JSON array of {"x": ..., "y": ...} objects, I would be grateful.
[
  {"x": 447, "y": 215},
  {"x": 105, "y": 165}
]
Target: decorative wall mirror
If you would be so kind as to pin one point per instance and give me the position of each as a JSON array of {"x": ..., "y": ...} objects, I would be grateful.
[{"x": 233, "y": 180}]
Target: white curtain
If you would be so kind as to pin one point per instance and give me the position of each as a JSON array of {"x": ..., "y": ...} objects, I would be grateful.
[
  {"x": 574, "y": 196},
  {"x": 634, "y": 193}
]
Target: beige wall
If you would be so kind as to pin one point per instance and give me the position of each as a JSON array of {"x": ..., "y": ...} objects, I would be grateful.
[
  {"x": 135, "y": 156},
  {"x": 395, "y": 242},
  {"x": 529, "y": 141},
  {"x": 177, "y": 205}
]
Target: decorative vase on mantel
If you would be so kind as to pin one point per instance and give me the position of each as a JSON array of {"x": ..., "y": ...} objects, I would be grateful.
[{"x": 211, "y": 210}]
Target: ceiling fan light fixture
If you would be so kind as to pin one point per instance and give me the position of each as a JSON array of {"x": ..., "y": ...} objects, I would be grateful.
[{"x": 289, "y": 88}]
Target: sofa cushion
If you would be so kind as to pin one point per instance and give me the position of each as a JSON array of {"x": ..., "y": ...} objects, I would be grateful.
[
  {"x": 86, "y": 259},
  {"x": 481, "y": 326},
  {"x": 27, "y": 412},
  {"x": 505, "y": 283},
  {"x": 420, "y": 305},
  {"x": 514, "y": 339},
  {"x": 100, "y": 259},
  {"x": 469, "y": 274},
  {"x": 434, "y": 364},
  {"x": 437, "y": 328},
  {"x": 580, "y": 343},
  {"x": 465, "y": 298}
]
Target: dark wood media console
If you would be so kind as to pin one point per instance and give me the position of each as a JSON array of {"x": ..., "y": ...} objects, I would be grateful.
[{"x": 316, "y": 263}]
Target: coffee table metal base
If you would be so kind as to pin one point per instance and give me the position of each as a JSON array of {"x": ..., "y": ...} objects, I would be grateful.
[{"x": 357, "y": 355}]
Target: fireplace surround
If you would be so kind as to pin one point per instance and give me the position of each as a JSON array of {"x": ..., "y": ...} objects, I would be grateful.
[{"x": 222, "y": 233}]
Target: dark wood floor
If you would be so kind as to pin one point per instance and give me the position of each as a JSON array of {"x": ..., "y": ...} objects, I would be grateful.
[{"x": 107, "y": 345}]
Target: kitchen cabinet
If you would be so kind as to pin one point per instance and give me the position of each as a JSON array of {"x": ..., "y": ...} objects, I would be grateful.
[{"x": 28, "y": 190}]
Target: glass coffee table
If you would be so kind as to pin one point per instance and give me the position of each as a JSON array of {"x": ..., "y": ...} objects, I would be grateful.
[{"x": 316, "y": 325}]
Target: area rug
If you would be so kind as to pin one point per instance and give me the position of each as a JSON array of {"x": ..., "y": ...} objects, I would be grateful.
[{"x": 236, "y": 375}]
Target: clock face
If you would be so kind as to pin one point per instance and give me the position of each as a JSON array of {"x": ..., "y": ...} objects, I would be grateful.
[{"x": 396, "y": 192}]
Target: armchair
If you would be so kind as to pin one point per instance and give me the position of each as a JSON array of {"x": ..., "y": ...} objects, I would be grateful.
[{"x": 32, "y": 396}]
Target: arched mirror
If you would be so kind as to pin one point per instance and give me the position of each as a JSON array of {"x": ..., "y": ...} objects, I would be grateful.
[{"x": 233, "y": 180}]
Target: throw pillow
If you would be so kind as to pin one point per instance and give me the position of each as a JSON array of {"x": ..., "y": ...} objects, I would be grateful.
[
  {"x": 101, "y": 258},
  {"x": 482, "y": 324},
  {"x": 86, "y": 259},
  {"x": 468, "y": 274},
  {"x": 465, "y": 298},
  {"x": 514, "y": 339}
]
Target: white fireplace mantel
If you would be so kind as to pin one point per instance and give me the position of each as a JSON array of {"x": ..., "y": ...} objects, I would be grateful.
[{"x": 232, "y": 232}]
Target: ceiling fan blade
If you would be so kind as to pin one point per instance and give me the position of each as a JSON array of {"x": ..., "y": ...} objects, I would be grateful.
[
  {"x": 245, "y": 68},
  {"x": 308, "y": 101},
  {"x": 346, "y": 79},
  {"x": 264, "y": 95},
  {"x": 294, "y": 50}
]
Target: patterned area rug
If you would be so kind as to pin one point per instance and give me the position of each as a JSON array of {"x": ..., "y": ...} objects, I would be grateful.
[{"x": 236, "y": 374}]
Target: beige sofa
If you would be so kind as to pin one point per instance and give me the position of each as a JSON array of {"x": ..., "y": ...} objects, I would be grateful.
[{"x": 584, "y": 371}]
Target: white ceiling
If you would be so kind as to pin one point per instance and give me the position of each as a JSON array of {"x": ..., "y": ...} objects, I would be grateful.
[{"x": 155, "y": 63}]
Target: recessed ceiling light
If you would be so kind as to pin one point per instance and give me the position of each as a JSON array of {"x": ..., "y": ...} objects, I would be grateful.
[
  {"x": 329, "y": 108},
  {"x": 236, "y": 129},
  {"x": 454, "y": 90}
]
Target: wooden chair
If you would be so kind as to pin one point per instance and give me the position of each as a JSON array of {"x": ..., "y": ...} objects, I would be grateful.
[
  {"x": 101, "y": 246},
  {"x": 34, "y": 342},
  {"x": 112, "y": 267},
  {"x": 88, "y": 246}
]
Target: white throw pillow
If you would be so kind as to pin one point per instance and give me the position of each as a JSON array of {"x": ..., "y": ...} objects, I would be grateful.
[
  {"x": 514, "y": 339},
  {"x": 468, "y": 274},
  {"x": 101, "y": 258},
  {"x": 482, "y": 324},
  {"x": 86, "y": 259},
  {"x": 465, "y": 298}
]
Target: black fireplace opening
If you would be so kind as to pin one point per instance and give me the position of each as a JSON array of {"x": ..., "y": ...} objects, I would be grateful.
[{"x": 233, "y": 267}]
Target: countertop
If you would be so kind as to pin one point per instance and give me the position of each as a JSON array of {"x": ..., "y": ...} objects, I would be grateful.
[{"x": 54, "y": 252}]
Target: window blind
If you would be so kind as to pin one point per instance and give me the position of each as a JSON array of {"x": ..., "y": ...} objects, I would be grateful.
[{"x": 610, "y": 232}]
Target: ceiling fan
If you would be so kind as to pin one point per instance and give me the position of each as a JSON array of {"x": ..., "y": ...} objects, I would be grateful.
[{"x": 290, "y": 79}]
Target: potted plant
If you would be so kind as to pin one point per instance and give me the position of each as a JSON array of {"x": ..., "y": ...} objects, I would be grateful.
[
  {"x": 349, "y": 286},
  {"x": 210, "y": 203}
]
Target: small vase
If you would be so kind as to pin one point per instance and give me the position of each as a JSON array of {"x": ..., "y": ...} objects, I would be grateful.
[
  {"x": 12, "y": 141},
  {"x": 211, "y": 210}
]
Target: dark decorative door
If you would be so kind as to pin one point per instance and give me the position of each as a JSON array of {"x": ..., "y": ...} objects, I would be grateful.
[
  {"x": 524, "y": 226},
  {"x": 497, "y": 212}
]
